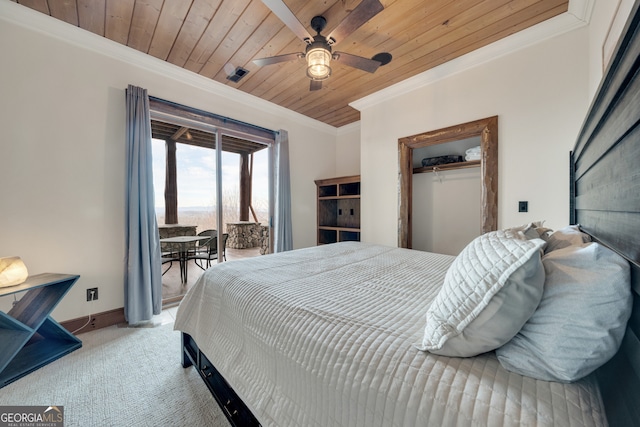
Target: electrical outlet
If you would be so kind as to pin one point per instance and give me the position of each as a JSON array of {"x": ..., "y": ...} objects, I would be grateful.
[
  {"x": 523, "y": 206},
  {"x": 92, "y": 294}
]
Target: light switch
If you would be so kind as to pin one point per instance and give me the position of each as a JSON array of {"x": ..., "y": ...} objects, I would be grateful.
[{"x": 523, "y": 206}]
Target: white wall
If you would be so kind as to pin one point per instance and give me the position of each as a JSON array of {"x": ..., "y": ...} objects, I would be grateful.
[
  {"x": 62, "y": 167},
  {"x": 539, "y": 94},
  {"x": 447, "y": 212},
  {"x": 348, "y": 150},
  {"x": 605, "y": 26}
]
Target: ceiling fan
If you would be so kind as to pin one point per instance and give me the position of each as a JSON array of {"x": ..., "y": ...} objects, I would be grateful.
[{"x": 318, "y": 53}]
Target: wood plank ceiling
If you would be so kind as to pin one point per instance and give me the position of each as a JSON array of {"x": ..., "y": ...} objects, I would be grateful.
[{"x": 204, "y": 35}]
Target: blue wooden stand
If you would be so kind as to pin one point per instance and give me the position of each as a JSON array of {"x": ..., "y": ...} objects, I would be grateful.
[{"x": 29, "y": 337}]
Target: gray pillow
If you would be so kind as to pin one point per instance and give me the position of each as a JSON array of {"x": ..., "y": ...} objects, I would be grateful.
[
  {"x": 567, "y": 236},
  {"x": 581, "y": 319}
]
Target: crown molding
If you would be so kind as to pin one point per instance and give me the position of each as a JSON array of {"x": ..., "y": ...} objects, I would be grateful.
[
  {"x": 351, "y": 127},
  {"x": 581, "y": 9},
  {"x": 52, "y": 27},
  {"x": 577, "y": 15}
]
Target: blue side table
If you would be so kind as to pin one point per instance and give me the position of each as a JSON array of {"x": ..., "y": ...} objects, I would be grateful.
[{"x": 30, "y": 337}]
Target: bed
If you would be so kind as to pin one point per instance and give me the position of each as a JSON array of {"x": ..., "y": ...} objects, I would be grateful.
[{"x": 335, "y": 335}]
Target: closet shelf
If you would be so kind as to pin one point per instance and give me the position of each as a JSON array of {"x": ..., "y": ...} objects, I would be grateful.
[
  {"x": 339, "y": 197},
  {"x": 448, "y": 166}
]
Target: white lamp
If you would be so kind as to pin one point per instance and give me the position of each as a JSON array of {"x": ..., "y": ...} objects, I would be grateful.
[{"x": 12, "y": 271}]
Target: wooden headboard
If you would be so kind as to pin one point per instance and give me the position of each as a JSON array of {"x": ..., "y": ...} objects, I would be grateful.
[{"x": 605, "y": 201}]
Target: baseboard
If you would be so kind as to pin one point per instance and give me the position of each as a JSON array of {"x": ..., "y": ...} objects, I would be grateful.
[
  {"x": 94, "y": 321},
  {"x": 106, "y": 318}
]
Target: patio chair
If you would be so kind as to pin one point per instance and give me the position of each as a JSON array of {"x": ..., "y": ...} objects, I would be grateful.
[
  {"x": 170, "y": 257},
  {"x": 206, "y": 252},
  {"x": 202, "y": 245},
  {"x": 225, "y": 236}
]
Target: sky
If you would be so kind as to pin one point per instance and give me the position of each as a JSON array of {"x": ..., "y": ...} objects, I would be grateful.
[{"x": 196, "y": 169}]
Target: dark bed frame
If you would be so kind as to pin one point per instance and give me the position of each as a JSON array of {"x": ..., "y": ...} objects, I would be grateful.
[{"x": 604, "y": 200}]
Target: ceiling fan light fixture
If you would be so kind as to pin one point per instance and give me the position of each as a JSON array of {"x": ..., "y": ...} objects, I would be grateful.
[
  {"x": 318, "y": 63},
  {"x": 319, "y": 47}
]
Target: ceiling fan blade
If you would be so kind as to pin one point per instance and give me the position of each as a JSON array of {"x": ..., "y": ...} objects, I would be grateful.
[
  {"x": 261, "y": 62},
  {"x": 366, "y": 10},
  {"x": 364, "y": 64},
  {"x": 288, "y": 18},
  {"x": 315, "y": 85}
]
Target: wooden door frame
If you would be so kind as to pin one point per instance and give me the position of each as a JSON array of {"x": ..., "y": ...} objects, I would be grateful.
[{"x": 487, "y": 129}]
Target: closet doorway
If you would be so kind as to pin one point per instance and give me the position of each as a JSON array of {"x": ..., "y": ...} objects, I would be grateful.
[{"x": 485, "y": 131}]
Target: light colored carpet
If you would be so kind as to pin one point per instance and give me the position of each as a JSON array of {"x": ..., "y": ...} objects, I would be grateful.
[{"x": 121, "y": 377}]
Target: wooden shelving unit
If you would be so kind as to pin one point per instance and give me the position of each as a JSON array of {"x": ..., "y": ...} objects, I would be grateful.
[
  {"x": 338, "y": 209},
  {"x": 30, "y": 337}
]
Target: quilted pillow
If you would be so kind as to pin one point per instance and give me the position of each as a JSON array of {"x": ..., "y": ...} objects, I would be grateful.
[
  {"x": 489, "y": 292},
  {"x": 581, "y": 319}
]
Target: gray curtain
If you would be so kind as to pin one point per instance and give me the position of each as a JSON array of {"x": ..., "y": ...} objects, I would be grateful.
[
  {"x": 283, "y": 235},
  {"x": 143, "y": 275}
]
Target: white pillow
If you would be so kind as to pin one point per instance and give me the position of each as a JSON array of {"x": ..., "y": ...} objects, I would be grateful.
[
  {"x": 489, "y": 292},
  {"x": 567, "y": 236},
  {"x": 581, "y": 319}
]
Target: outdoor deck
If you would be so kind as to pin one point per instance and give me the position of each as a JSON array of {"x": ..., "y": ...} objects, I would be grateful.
[{"x": 172, "y": 289}]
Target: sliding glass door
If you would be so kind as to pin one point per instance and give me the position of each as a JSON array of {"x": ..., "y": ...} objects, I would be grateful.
[{"x": 211, "y": 180}]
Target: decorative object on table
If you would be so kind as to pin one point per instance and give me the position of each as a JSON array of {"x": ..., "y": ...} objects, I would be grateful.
[
  {"x": 440, "y": 160},
  {"x": 12, "y": 271}
]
